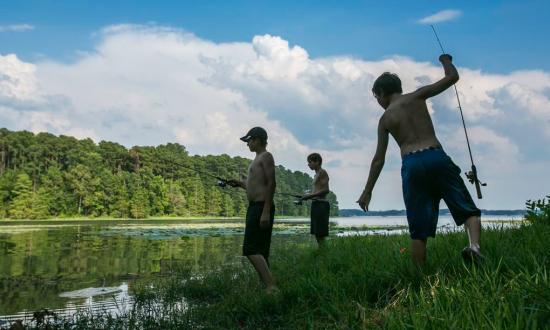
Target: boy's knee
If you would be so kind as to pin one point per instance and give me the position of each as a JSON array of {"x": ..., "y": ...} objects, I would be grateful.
[
  {"x": 419, "y": 242},
  {"x": 473, "y": 220}
]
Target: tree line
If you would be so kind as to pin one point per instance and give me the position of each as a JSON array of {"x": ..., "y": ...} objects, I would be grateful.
[{"x": 44, "y": 176}]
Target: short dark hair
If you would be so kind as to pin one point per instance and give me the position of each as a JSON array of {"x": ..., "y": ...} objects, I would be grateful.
[
  {"x": 315, "y": 157},
  {"x": 387, "y": 84}
]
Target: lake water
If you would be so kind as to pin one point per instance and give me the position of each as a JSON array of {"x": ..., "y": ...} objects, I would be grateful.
[{"x": 68, "y": 265}]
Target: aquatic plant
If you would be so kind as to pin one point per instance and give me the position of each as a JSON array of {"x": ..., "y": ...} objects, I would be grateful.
[{"x": 538, "y": 211}]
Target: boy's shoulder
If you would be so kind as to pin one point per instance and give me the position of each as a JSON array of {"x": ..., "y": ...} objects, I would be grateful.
[
  {"x": 403, "y": 101},
  {"x": 266, "y": 156},
  {"x": 322, "y": 173},
  {"x": 395, "y": 110}
]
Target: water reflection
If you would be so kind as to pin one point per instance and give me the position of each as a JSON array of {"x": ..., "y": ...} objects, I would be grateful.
[
  {"x": 115, "y": 301},
  {"x": 36, "y": 266},
  {"x": 68, "y": 267},
  {"x": 90, "y": 293}
]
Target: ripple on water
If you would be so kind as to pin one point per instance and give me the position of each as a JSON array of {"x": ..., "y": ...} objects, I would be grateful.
[
  {"x": 92, "y": 292},
  {"x": 114, "y": 301}
]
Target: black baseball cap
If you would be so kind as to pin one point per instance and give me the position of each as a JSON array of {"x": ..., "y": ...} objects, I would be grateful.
[{"x": 255, "y": 132}]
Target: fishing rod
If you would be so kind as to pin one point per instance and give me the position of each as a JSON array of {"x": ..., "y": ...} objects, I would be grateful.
[
  {"x": 289, "y": 194},
  {"x": 298, "y": 201},
  {"x": 471, "y": 175},
  {"x": 223, "y": 183}
]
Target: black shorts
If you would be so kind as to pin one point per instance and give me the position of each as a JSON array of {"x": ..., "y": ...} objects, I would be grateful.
[
  {"x": 257, "y": 240},
  {"x": 320, "y": 211},
  {"x": 429, "y": 176}
]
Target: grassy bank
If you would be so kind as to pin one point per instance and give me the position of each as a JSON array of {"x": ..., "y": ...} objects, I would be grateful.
[{"x": 360, "y": 282}]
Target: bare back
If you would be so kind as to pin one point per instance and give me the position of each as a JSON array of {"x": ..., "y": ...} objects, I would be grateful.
[
  {"x": 257, "y": 180},
  {"x": 407, "y": 119}
]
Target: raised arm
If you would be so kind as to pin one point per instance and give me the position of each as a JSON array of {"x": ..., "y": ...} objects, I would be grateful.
[
  {"x": 451, "y": 77},
  {"x": 376, "y": 165}
]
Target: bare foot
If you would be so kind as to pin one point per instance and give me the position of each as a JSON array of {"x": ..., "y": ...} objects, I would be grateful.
[{"x": 271, "y": 290}]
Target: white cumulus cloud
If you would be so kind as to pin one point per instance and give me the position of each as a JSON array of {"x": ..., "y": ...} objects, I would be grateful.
[
  {"x": 441, "y": 16},
  {"x": 147, "y": 85},
  {"x": 16, "y": 28}
]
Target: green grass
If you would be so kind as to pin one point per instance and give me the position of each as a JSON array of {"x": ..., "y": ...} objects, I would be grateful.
[{"x": 358, "y": 283}]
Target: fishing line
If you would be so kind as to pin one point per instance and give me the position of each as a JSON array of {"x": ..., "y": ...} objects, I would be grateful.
[
  {"x": 223, "y": 183},
  {"x": 472, "y": 175}
]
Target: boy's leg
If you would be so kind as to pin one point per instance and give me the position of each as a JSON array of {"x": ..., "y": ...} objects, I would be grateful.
[
  {"x": 422, "y": 205},
  {"x": 418, "y": 251},
  {"x": 259, "y": 263},
  {"x": 462, "y": 207},
  {"x": 473, "y": 228},
  {"x": 257, "y": 243},
  {"x": 320, "y": 211},
  {"x": 320, "y": 240}
]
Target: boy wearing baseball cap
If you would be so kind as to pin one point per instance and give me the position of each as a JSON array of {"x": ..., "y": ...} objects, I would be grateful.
[{"x": 260, "y": 188}]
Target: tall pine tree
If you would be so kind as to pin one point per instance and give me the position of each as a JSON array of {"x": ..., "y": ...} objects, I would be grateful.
[{"x": 22, "y": 204}]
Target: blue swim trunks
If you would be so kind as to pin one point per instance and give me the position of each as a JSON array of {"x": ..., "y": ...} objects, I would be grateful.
[{"x": 429, "y": 176}]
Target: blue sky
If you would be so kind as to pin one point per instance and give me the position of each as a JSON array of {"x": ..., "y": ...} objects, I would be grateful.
[
  {"x": 201, "y": 73},
  {"x": 495, "y": 36}
]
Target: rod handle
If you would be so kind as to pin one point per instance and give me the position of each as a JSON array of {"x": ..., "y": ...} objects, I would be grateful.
[
  {"x": 478, "y": 190},
  {"x": 472, "y": 177},
  {"x": 476, "y": 182}
]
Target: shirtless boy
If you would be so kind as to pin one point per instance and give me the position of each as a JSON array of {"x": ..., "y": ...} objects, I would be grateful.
[
  {"x": 260, "y": 188},
  {"x": 320, "y": 207},
  {"x": 428, "y": 174}
]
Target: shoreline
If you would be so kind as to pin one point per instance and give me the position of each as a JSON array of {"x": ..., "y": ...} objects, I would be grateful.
[
  {"x": 130, "y": 220},
  {"x": 219, "y": 220}
]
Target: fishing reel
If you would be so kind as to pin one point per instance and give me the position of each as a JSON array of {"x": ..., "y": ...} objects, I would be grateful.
[
  {"x": 472, "y": 177},
  {"x": 298, "y": 201},
  {"x": 222, "y": 183}
]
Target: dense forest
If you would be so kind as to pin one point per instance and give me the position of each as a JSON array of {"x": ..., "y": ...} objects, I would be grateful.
[{"x": 44, "y": 176}]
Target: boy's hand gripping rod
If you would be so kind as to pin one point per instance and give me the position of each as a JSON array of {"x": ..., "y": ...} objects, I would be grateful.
[
  {"x": 471, "y": 175},
  {"x": 298, "y": 200}
]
